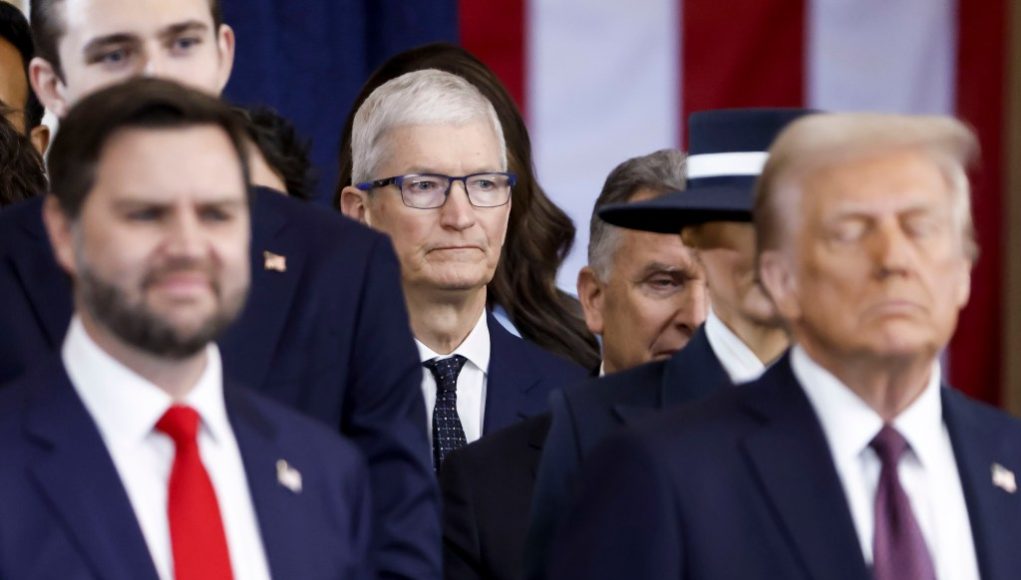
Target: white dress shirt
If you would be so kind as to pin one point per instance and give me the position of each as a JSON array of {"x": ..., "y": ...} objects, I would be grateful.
[
  {"x": 471, "y": 382},
  {"x": 737, "y": 359},
  {"x": 126, "y": 408},
  {"x": 927, "y": 471}
]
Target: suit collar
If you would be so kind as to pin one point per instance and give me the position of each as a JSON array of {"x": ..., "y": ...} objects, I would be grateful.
[
  {"x": 789, "y": 456},
  {"x": 980, "y": 442},
  {"x": 76, "y": 473},
  {"x": 44, "y": 283},
  {"x": 252, "y": 340},
  {"x": 511, "y": 376}
]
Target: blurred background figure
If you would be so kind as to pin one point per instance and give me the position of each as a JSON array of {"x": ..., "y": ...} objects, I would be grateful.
[
  {"x": 22, "y": 173},
  {"x": 18, "y": 103},
  {"x": 523, "y": 291},
  {"x": 280, "y": 159}
]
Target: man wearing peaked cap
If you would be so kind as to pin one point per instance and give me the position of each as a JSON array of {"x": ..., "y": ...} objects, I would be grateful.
[
  {"x": 741, "y": 334},
  {"x": 849, "y": 458}
]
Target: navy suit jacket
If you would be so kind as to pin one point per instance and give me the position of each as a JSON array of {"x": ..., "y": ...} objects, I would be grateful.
[
  {"x": 586, "y": 413},
  {"x": 487, "y": 495},
  {"x": 329, "y": 336},
  {"x": 742, "y": 485},
  {"x": 64, "y": 512},
  {"x": 520, "y": 378}
]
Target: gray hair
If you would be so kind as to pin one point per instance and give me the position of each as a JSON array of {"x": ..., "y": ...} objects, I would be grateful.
[
  {"x": 423, "y": 97},
  {"x": 660, "y": 172},
  {"x": 817, "y": 141}
]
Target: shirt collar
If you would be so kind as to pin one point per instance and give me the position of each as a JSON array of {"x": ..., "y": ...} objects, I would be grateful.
[
  {"x": 475, "y": 347},
  {"x": 737, "y": 359},
  {"x": 126, "y": 406},
  {"x": 850, "y": 424}
]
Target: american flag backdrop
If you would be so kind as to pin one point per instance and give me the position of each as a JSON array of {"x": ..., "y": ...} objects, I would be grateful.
[{"x": 604, "y": 80}]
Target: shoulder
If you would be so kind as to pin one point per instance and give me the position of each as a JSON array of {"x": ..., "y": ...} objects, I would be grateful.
[
  {"x": 327, "y": 228},
  {"x": 537, "y": 359},
  {"x": 495, "y": 446},
  {"x": 20, "y": 221},
  {"x": 293, "y": 433},
  {"x": 637, "y": 385}
]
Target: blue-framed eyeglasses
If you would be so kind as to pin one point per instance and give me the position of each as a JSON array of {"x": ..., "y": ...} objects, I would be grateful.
[{"x": 430, "y": 190}]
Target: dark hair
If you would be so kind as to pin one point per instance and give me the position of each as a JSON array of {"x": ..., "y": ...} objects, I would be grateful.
[
  {"x": 22, "y": 174},
  {"x": 139, "y": 103},
  {"x": 539, "y": 234},
  {"x": 48, "y": 28},
  {"x": 15, "y": 30},
  {"x": 284, "y": 151}
]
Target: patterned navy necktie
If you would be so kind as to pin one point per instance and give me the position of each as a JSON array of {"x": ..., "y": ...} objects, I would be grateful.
[
  {"x": 448, "y": 434},
  {"x": 898, "y": 548}
]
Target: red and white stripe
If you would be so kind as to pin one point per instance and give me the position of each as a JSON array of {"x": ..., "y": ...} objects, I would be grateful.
[{"x": 601, "y": 81}]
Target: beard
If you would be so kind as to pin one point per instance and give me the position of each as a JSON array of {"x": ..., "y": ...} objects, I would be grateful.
[{"x": 138, "y": 325}]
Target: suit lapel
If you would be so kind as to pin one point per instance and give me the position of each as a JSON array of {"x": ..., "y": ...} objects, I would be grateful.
[
  {"x": 691, "y": 374},
  {"x": 791, "y": 460},
  {"x": 76, "y": 473},
  {"x": 277, "y": 507},
  {"x": 42, "y": 280},
  {"x": 249, "y": 345},
  {"x": 509, "y": 380},
  {"x": 978, "y": 445}
]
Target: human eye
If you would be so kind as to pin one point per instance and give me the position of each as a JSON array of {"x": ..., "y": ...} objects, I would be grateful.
[
  {"x": 422, "y": 184},
  {"x": 184, "y": 44},
  {"x": 921, "y": 226},
  {"x": 663, "y": 283},
  {"x": 484, "y": 183},
  {"x": 215, "y": 214},
  {"x": 846, "y": 231},
  {"x": 144, "y": 214},
  {"x": 115, "y": 57}
]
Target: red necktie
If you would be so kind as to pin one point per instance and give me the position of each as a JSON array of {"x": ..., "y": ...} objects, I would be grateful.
[{"x": 196, "y": 530}]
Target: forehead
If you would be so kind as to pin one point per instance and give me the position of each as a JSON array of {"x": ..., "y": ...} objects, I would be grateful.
[
  {"x": 166, "y": 165},
  {"x": 454, "y": 149},
  {"x": 84, "y": 20},
  {"x": 637, "y": 249}
]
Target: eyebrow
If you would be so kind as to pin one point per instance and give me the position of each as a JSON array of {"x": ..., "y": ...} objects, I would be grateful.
[
  {"x": 126, "y": 38},
  {"x": 687, "y": 271},
  {"x": 100, "y": 42},
  {"x": 182, "y": 27}
]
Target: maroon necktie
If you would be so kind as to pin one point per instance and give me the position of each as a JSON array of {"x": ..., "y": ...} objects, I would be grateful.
[
  {"x": 898, "y": 548},
  {"x": 196, "y": 529}
]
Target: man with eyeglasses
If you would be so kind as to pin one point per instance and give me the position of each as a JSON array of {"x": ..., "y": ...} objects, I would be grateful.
[{"x": 429, "y": 168}]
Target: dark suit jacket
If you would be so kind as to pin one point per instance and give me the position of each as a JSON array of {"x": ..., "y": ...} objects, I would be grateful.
[
  {"x": 743, "y": 485},
  {"x": 487, "y": 496},
  {"x": 586, "y": 413},
  {"x": 520, "y": 378},
  {"x": 487, "y": 486},
  {"x": 64, "y": 512},
  {"x": 329, "y": 336}
]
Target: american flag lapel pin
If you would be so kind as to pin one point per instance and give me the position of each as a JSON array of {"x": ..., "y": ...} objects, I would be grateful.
[
  {"x": 288, "y": 476},
  {"x": 274, "y": 262},
  {"x": 1003, "y": 478}
]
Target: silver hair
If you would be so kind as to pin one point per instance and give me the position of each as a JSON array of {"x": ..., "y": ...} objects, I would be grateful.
[
  {"x": 423, "y": 97},
  {"x": 660, "y": 172},
  {"x": 816, "y": 141}
]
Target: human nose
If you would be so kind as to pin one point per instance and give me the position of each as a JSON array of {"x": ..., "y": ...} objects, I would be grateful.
[
  {"x": 692, "y": 308},
  {"x": 185, "y": 237},
  {"x": 457, "y": 212},
  {"x": 153, "y": 65},
  {"x": 892, "y": 250}
]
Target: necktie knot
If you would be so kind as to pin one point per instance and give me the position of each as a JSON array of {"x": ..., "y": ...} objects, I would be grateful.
[
  {"x": 889, "y": 445},
  {"x": 180, "y": 423},
  {"x": 446, "y": 370}
]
